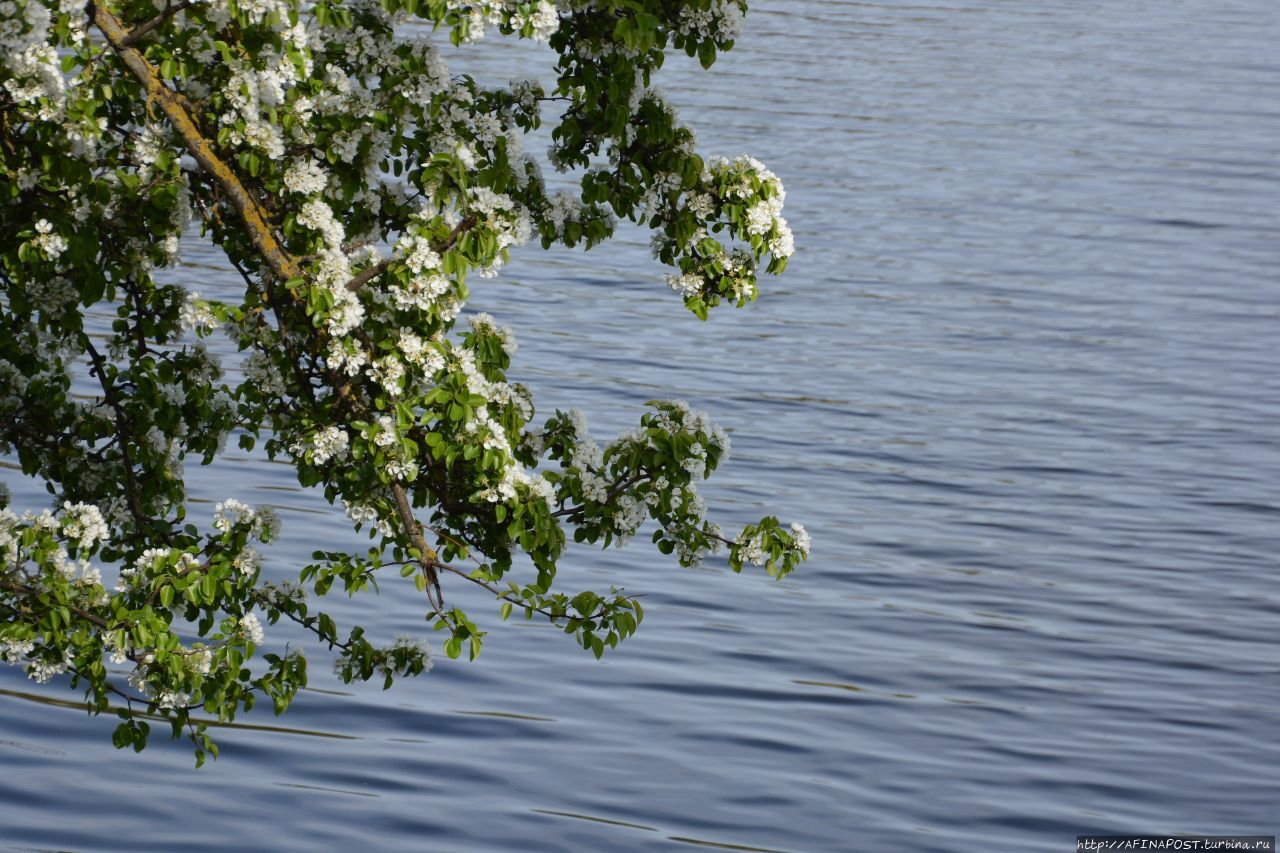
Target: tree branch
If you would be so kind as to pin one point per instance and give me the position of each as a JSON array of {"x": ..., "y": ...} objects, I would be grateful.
[
  {"x": 83, "y": 614},
  {"x": 175, "y": 109},
  {"x": 613, "y": 493},
  {"x": 123, "y": 436},
  {"x": 147, "y": 26},
  {"x": 506, "y": 596},
  {"x": 428, "y": 559},
  {"x": 365, "y": 276},
  {"x": 255, "y": 219}
]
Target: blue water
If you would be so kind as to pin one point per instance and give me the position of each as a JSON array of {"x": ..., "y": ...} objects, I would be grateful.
[{"x": 1020, "y": 383}]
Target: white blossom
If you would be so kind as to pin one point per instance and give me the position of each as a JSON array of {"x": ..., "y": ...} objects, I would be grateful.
[
  {"x": 800, "y": 539},
  {"x": 687, "y": 284},
  {"x": 83, "y": 523},
  {"x": 305, "y": 177},
  {"x": 49, "y": 242},
  {"x": 251, "y": 629}
]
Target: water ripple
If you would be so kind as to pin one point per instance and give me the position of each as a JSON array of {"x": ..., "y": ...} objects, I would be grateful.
[{"x": 1019, "y": 383}]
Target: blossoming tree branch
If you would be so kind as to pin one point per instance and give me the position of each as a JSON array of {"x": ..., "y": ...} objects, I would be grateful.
[{"x": 356, "y": 187}]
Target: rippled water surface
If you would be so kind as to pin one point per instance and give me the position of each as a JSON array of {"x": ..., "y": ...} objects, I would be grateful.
[{"x": 1021, "y": 385}]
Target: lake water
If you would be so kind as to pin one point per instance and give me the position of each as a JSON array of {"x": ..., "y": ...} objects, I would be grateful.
[{"x": 1020, "y": 383}]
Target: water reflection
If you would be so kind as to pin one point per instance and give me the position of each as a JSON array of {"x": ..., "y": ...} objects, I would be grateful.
[{"x": 1019, "y": 383}]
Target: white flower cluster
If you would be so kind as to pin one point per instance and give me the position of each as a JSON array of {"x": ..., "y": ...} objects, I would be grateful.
[
  {"x": 253, "y": 91},
  {"x": 499, "y": 392},
  {"x": 305, "y": 177},
  {"x": 737, "y": 277},
  {"x": 388, "y": 372},
  {"x": 54, "y": 294},
  {"x": 259, "y": 11},
  {"x": 743, "y": 175},
  {"x": 83, "y": 524},
  {"x": 364, "y": 43},
  {"x": 204, "y": 367},
  {"x": 172, "y": 393},
  {"x": 405, "y": 470},
  {"x": 47, "y": 241},
  {"x": 485, "y": 324},
  {"x": 687, "y": 284},
  {"x": 150, "y": 560},
  {"x": 628, "y": 517},
  {"x": 365, "y": 514},
  {"x": 77, "y": 524},
  {"x": 703, "y": 205},
  {"x": 247, "y": 561},
  {"x": 656, "y": 195},
  {"x": 266, "y": 377},
  {"x": 35, "y": 81},
  {"x": 148, "y": 144},
  {"x": 257, "y": 132},
  {"x": 671, "y": 497},
  {"x": 387, "y": 434},
  {"x": 195, "y": 314},
  {"x": 318, "y": 216},
  {"x": 345, "y": 355},
  {"x": 268, "y": 526},
  {"x": 116, "y": 653},
  {"x": 722, "y": 22},
  {"x": 755, "y": 548},
  {"x": 491, "y": 434},
  {"x": 800, "y": 538},
  {"x": 543, "y": 20},
  {"x": 433, "y": 73},
  {"x": 43, "y": 670},
  {"x": 170, "y": 448},
  {"x": 200, "y": 660},
  {"x": 507, "y": 219},
  {"x": 586, "y": 457},
  {"x": 561, "y": 208},
  {"x": 427, "y": 284},
  {"x": 417, "y": 351},
  {"x": 526, "y": 93},
  {"x": 250, "y": 628},
  {"x": 540, "y": 19},
  {"x": 739, "y": 270},
  {"x": 677, "y": 415},
  {"x": 169, "y": 700},
  {"x": 764, "y": 218},
  {"x": 412, "y": 647},
  {"x": 263, "y": 521},
  {"x": 330, "y": 443},
  {"x": 690, "y": 555},
  {"x": 14, "y": 651}
]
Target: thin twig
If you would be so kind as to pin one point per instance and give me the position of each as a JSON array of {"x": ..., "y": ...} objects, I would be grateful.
[
  {"x": 506, "y": 596},
  {"x": 613, "y": 493}
]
